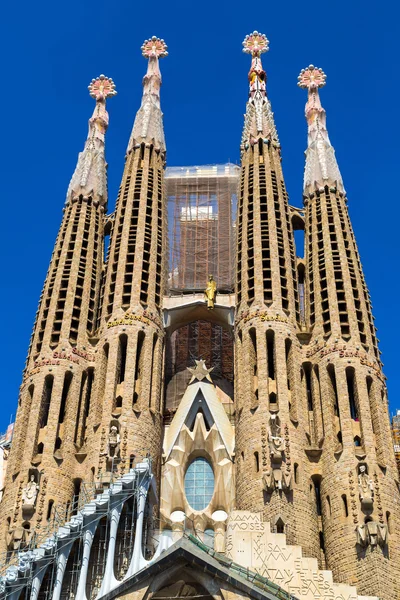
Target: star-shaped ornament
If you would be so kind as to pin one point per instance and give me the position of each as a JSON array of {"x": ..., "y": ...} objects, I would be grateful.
[{"x": 200, "y": 371}]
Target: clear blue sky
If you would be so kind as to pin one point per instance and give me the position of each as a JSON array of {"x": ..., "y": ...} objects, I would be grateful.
[{"x": 51, "y": 50}]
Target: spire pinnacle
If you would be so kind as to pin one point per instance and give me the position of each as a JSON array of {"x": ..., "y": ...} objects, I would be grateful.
[
  {"x": 321, "y": 165},
  {"x": 90, "y": 178},
  {"x": 148, "y": 125},
  {"x": 259, "y": 119}
]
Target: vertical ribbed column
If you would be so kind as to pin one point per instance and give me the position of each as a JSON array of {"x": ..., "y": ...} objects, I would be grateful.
[
  {"x": 356, "y": 473},
  {"x": 272, "y": 474},
  {"x": 127, "y": 422},
  {"x": 55, "y": 393}
]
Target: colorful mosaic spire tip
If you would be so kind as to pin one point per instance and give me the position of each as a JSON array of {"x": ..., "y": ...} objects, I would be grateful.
[
  {"x": 255, "y": 43},
  {"x": 154, "y": 47},
  {"x": 311, "y": 78},
  {"x": 101, "y": 88}
]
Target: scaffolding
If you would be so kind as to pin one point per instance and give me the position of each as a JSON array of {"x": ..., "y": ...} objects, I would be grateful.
[
  {"x": 201, "y": 222},
  {"x": 201, "y": 217}
]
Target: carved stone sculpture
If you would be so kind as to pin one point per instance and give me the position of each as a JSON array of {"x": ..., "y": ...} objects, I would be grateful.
[
  {"x": 114, "y": 442},
  {"x": 366, "y": 488},
  {"x": 29, "y": 495},
  {"x": 372, "y": 533},
  {"x": 210, "y": 292},
  {"x": 276, "y": 442}
]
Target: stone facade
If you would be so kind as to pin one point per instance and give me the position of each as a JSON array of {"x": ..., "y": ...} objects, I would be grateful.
[{"x": 306, "y": 487}]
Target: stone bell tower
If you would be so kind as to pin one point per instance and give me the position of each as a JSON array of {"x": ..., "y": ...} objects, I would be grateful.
[
  {"x": 272, "y": 470},
  {"x": 52, "y": 410},
  {"x": 127, "y": 421},
  {"x": 355, "y": 477}
]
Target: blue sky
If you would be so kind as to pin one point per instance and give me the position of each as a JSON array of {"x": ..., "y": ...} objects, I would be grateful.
[{"x": 50, "y": 52}]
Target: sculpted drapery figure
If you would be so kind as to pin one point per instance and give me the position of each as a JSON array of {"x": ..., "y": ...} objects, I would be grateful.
[
  {"x": 30, "y": 493},
  {"x": 366, "y": 488},
  {"x": 210, "y": 292}
]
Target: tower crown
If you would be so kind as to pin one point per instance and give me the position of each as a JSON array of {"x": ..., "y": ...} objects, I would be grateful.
[
  {"x": 90, "y": 175},
  {"x": 321, "y": 165},
  {"x": 148, "y": 126},
  {"x": 259, "y": 118}
]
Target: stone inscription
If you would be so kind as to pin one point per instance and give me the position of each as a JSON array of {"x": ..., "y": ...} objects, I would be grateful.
[{"x": 250, "y": 543}]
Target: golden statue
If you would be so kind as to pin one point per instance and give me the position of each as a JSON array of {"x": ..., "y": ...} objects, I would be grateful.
[{"x": 210, "y": 292}]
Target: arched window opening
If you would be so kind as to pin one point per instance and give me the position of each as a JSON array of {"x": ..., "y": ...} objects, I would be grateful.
[
  {"x": 66, "y": 387},
  {"x": 272, "y": 400},
  {"x": 132, "y": 461},
  {"x": 301, "y": 288},
  {"x": 50, "y": 510},
  {"x": 339, "y": 437},
  {"x": 46, "y": 399},
  {"x": 321, "y": 541},
  {"x": 58, "y": 444},
  {"x": 153, "y": 367},
  {"x": 307, "y": 373},
  {"x": 350, "y": 378},
  {"x": 332, "y": 378},
  {"x": 138, "y": 367},
  {"x": 122, "y": 348},
  {"x": 253, "y": 363},
  {"x": 40, "y": 448},
  {"x": 389, "y": 522},
  {"x": 328, "y": 506},
  {"x": 75, "y": 499},
  {"x": 288, "y": 355},
  {"x": 280, "y": 526},
  {"x": 256, "y": 462},
  {"x": 296, "y": 473},
  {"x": 270, "y": 337},
  {"x": 357, "y": 441},
  {"x": 81, "y": 390},
  {"x": 345, "y": 507},
  {"x": 371, "y": 402},
  {"x": 317, "y": 490},
  {"x": 242, "y": 455}
]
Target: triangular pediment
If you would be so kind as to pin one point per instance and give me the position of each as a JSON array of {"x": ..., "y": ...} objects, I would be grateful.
[
  {"x": 210, "y": 569},
  {"x": 200, "y": 396}
]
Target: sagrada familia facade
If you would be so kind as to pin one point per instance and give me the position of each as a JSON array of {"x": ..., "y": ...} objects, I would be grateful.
[{"x": 203, "y": 413}]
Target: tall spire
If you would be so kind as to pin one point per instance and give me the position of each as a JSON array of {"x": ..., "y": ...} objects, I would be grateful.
[
  {"x": 321, "y": 165},
  {"x": 148, "y": 125},
  {"x": 90, "y": 176},
  {"x": 259, "y": 118}
]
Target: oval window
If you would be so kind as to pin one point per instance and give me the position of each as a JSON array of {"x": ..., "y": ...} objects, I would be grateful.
[{"x": 199, "y": 483}]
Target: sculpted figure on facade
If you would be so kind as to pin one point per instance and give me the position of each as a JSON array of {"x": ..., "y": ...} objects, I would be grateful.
[
  {"x": 276, "y": 441},
  {"x": 366, "y": 488},
  {"x": 210, "y": 292},
  {"x": 275, "y": 478},
  {"x": 29, "y": 495},
  {"x": 372, "y": 534},
  {"x": 114, "y": 443}
]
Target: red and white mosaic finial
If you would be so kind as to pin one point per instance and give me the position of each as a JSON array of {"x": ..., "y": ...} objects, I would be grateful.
[
  {"x": 255, "y": 43},
  {"x": 154, "y": 47},
  {"x": 311, "y": 78},
  {"x": 321, "y": 166},
  {"x": 101, "y": 88}
]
